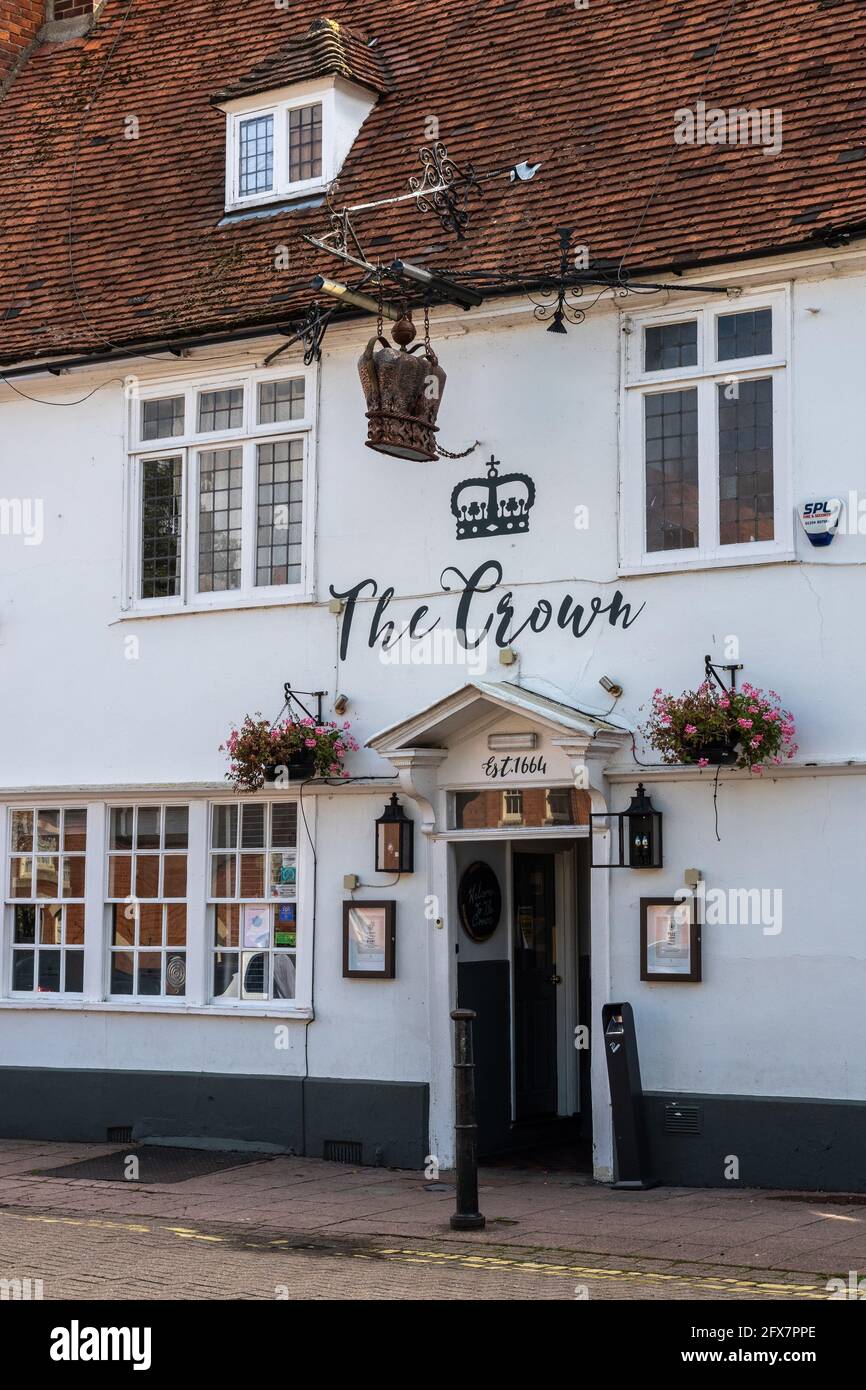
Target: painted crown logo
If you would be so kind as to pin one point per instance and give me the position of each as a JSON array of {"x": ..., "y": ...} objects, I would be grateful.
[{"x": 493, "y": 506}]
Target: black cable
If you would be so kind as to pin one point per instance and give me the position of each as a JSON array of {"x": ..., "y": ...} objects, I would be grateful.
[{"x": 37, "y": 400}]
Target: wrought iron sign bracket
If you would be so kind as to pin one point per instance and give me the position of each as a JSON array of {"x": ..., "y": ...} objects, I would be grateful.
[
  {"x": 310, "y": 331},
  {"x": 712, "y": 669},
  {"x": 291, "y": 698}
]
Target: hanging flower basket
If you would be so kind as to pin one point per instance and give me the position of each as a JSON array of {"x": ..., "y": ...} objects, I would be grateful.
[
  {"x": 302, "y": 764},
  {"x": 718, "y": 728},
  {"x": 295, "y": 750},
  {"x": 717, "y": 752}
]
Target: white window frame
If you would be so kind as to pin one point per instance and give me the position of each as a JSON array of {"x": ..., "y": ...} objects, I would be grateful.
[
  {"x": 278, "y": 104},
  {"x": 704, "y": 376},
  {"x": 303, "y": 900},
  {"x": 199, "y": 946},
  {"x": 169, "y": 1001},
  {"x": 8, "y": 903},
  {"x": 188, "y": 448}
]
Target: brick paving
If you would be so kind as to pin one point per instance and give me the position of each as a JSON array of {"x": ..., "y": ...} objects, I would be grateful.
[{"x": 689, "y": 1241}]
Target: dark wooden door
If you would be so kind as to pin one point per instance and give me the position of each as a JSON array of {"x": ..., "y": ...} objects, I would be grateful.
[{"x": 535, "y": 984}]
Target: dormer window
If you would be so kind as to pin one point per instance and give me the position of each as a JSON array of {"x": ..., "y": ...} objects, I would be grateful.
[{"x": 291, "y": 122}]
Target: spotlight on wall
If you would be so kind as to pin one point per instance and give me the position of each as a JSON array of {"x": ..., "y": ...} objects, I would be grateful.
[
  {"x": 341, "y": 704},
  {"x": 458, "y": 294},
  {"x": 610, "y": 686},
  {"x": 338, "y": 290}
]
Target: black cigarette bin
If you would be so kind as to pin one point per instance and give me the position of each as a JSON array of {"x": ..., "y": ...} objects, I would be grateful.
[{"x": 631, "y": 1162}]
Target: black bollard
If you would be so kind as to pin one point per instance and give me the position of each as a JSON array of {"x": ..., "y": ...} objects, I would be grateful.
[{"x": 467, "y": 1217}]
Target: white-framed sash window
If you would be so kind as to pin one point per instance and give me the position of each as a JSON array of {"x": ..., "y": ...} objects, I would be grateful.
[
  {"x": 221, "y": 492},
  {"x": 254, "y": 894},
  {"x": 45, "y": 897},
  {"x": 154, "y": 904},
  {"x": 290, "y": 143},
  {"x": 705, "y": 454}
]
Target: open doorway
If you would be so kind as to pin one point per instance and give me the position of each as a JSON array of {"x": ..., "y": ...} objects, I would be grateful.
[{"x": 529, "y": 986}]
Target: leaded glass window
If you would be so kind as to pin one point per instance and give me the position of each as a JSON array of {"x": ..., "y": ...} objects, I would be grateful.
[
  {"x": 281, "y": 400},
  {"x": 671, "y": 453},
  {"x": 221, "y": 410},
  {"x": 670, "y": 345},
  {"x": 745, "y": 335},
  {"x": 220, "y": 527},
  {"x": 256, "y": 155},
  {"x": 280, "y": 512},
  {"x": 162, "y": 418},
  {"x": 161, "y": 527},
  {"x": 746, "y": 502},
  {"x": 305, "y": 143}
]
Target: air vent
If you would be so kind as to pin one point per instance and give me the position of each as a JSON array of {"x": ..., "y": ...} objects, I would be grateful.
[
  {"x": 118, "y": 1134},
  {"x": 342, "y": 1151},
  {"x": 683, "y": 1119}
]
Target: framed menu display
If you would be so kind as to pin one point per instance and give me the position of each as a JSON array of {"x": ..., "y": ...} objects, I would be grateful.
[
  {"x": 369, "y": 935},
  {"x": 670, "y": 940}
]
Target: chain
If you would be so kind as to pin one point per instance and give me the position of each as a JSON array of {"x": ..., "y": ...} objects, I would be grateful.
[
  {"x": 447, "y": 454},
  {"x": 380, "y": 316},
  {"x": 427, "y": 328}
]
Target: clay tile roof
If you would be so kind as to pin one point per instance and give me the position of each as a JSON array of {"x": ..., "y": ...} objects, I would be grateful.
[
  {"x": 107, "y": 241},
  {"x": 326, "y": 48}
]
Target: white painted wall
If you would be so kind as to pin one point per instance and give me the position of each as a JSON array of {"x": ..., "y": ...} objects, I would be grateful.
[{"x": 770, "y": 1014}]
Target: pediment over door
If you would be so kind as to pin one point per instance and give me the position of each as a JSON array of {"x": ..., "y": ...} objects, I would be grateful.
[{"x": 446, "y": 745}]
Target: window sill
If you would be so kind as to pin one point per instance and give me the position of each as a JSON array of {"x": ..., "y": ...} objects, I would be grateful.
[
  {"x": 190, "y": 609},
  {"x": 300, "y": 1012},
  {"x": 708, "y": 562}
]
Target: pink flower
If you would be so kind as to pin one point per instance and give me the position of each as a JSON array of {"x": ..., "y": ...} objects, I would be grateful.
[
  {"x": 745, "y": 723},
  {"x": 758, "y": 769},
  {"x": 703, "y": 762},
  {"x": 691, "y": 729},
  {"x": 309, "y": 743},
  {"x": 666, "y": 720},
  {"x": 724, "y": 703},
  {"x": 756, "y": 741}
]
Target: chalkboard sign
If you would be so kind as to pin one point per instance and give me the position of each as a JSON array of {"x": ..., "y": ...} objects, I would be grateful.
[{"x": 479, "y": 901}]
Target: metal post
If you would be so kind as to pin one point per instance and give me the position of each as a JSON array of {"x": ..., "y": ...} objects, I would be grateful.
[{"x": 467, "y": 1217}]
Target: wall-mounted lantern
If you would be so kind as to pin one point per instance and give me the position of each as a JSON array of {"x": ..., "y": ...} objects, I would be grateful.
[
  {"x": 395, "y": 840},
  {"x": 638, "y": 840}
]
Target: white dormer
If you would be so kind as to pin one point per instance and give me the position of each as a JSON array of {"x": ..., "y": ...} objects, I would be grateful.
[{"x": 291, "y": 122}]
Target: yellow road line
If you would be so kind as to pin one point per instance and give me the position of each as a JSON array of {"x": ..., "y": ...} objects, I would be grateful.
[
  {"x": 632, "y": 1276},
  {"x": 495, "y": 1263}
]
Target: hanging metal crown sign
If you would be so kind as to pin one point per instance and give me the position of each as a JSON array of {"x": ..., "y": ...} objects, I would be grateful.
[{"x": 403, "y": 392}]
